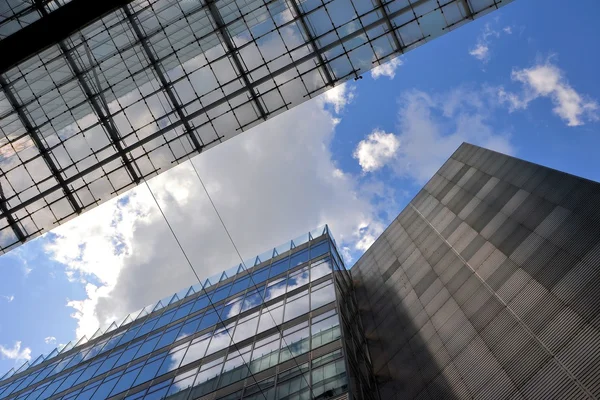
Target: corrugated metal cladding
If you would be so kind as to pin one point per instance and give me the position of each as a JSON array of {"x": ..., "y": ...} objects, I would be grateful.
[{"x": 487, "y": 285}]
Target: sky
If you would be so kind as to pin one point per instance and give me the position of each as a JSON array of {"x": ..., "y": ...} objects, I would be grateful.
[{"x": 522, "y": 80}]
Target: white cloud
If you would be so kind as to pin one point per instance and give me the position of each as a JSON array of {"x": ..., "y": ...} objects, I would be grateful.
[
  {"x": 50, "y": 340},
  {"x": 15, "y": 353},
  {"x": 481, "y": 51},
  {"x": 432, "y": 126},
  {"x": 338, "y": 97},
  {"x": 271, "y": 184},
  {"x": 376, "y": 150},
  {"x": 547, "y": 80},
  {"x": 8, "y": 299},
  {"x": 386, "y": 69}
]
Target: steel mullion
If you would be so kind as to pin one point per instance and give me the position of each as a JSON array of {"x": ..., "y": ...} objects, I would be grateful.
[
  {"x": 42, "y": 150},
  {"x": 312, "y": 41},
  {"x": 163, "y": 80},
  {"x": 231, "y": 50}
]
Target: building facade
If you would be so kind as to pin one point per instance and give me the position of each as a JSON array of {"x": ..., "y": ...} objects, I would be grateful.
[
  {"x": 487, "y": 285},
  {"x": 96, "y": 97},
  {"x": 277, "y": 330}
]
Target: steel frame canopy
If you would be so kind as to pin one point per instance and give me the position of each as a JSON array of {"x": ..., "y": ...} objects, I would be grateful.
[{"x": 95, "y": 97}]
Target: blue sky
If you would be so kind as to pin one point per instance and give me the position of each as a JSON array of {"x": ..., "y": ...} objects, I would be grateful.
[{"x": 522, "y": 80}]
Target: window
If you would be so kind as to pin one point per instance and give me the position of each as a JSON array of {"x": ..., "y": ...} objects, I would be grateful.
[
  {"x": 280, "y": 267},
  {"x": 183, "y": 310},
  {"x": 126, "y": 380},
  {"x": 245, "y": 329},
  {"x": 299, "y": 258},
  {"x": 195, "y": 351},
  {"x": 189, "y": 328},
  {"x": 321, "y": 296},
  {"x": 296, "y": 307},
  {"x": 270, "y": 317},
  {"x": 319, "y": 249},
  {"x": 220, "y": 339},
  {"x": 148, "y": 372},
  {"x": 320, "y": 269},
  {"x": 275, "y": 289}
]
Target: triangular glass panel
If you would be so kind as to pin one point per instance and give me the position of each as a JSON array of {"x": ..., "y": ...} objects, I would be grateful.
[
  {"x": 144, "y": 312},
  {"x": 10, "y": 373},
  {"x": 111, "y": 328},
  {"x": 53, "y": 353},
  {"x": 127, "y": 320},
  {"x": 292, "y": 244},
  {"x": 81, "y": 341},
  {"x": 96, "y": 334},
  {"x": 207, "y": 284},
  {"x": 37, "y": 361},
  {"x": 181, "y": 293},
  {"x": 223, "y": 277},
  {"x": 310, "y": 236},
  {"x": 22, "y": 367},
  {"x": 240, "y": 269},
  {"x": 174, "y": 299},
  {"x": 275, "y": 253},
  {"x": 190, "y": 291},
  {"x": 67, "y": 347},
  {"x": 158, "y": 306},
  {"x": 257, "y": 260}
]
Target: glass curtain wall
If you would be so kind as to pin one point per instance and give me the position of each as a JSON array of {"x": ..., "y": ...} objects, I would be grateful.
[{"x": 274, "y": 330}]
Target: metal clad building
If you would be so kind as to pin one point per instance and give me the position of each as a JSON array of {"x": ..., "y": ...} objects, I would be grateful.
[
  {"x": 96, "y": 96},
  {"x": 487, "y": 285}
]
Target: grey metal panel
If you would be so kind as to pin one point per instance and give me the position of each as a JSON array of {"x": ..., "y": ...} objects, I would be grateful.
[{"x": 503, "y": 300}]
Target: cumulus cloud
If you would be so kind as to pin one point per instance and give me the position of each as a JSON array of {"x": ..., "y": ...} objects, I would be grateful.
[
  {"x": 432, "y": 126},
  {"x": 547, "y": 80},
  {"x": 271, "y": 184},
  {"x": 387, "y": 69},
  {"x": 376, "y": 150},
  {"x": 15, "y": 353},
  {"x": 50, "y": 340}
]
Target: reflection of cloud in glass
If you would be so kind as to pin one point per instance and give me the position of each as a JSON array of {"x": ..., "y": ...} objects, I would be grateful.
[
  {"x": 322, "y": 296},
  {"x": 276, "y": 289},
  {"x": 298, "y": 280}
]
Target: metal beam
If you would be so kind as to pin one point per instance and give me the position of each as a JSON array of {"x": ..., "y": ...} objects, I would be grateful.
[
  {"x": 312, "y": 41},
  {"x": 223, "y": 100},
  {"x": 40, "y": 146},
  {"x": 390, "y": 26},
  {"x": 10, "y": 219},
  {"x": 163, "y": 80},
  {"x": 52, "y": 28},
  {"x": 105, "y": 120},
  {"x": 468, "y": 9},
  {"x": 216, "y": 16}
]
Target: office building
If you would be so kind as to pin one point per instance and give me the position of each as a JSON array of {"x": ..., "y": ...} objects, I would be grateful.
[
  {"x": 96, "y": 96},
  {"x": 285, "y": 328},
  {"x": 487, "y": 285}
]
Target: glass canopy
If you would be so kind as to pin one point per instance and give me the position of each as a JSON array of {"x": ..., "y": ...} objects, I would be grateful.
[{"x": 157, "y": 81}]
